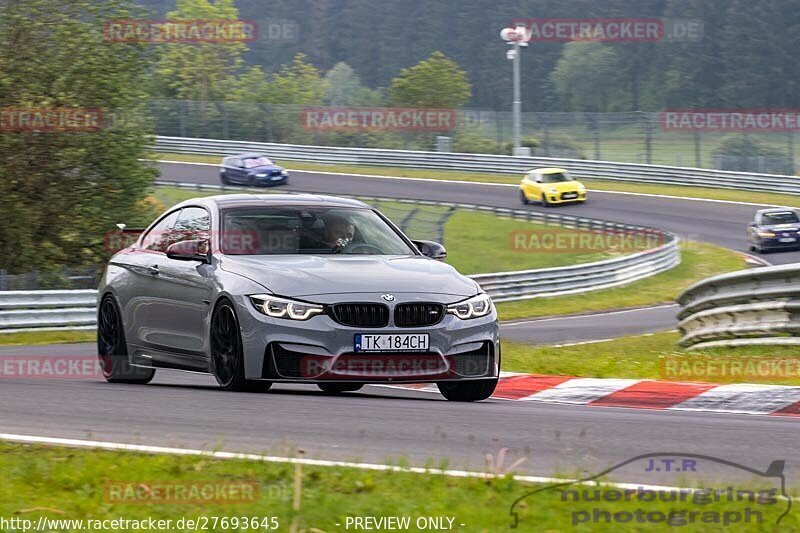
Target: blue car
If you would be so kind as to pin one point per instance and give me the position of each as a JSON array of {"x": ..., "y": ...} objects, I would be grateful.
[
  {"x": 251, "y": 169},
  {"x": 774, "y": 229}
]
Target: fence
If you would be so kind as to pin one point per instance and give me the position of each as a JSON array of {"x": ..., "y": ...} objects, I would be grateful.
[
  {"x": 635, "y": 137},
  {"x": 488, "y": 163},
  {"x": 752, "y": 307},
  {"x": 48, "y": 309}
]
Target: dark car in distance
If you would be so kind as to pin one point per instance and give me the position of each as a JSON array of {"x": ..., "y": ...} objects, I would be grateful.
[
  {"x": 251, "y": 169},
  {"x": 774, "y": 229}
]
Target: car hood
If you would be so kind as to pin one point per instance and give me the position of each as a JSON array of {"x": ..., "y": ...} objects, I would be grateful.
[
  {"x": 780, "y": 227},
  {"x": 564, "y": 186},
  {"x": 303, "y": 275},
  {"x": 263, "y": 168}
]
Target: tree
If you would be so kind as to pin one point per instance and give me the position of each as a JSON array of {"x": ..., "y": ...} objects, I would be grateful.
[
  {"x": 60, "y": 192},
  {"x": 298, "y": 83},
  {"x": 343, "y": 87},
  {"x": 200, "y": 71},
  {"x": 586, "y": 78},
  {"x": 435, "y": 83}
]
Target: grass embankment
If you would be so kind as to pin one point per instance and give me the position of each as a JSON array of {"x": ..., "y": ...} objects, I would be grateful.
[
  {"x": 657, "y": 356},
  {"x": 73, "y": 484},
  {"x": 699, "y": 261},
  {"x": 706, "y": 193}
]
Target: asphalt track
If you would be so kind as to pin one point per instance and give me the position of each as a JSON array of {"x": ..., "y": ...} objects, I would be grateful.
[{"x": 380, "y": 424}]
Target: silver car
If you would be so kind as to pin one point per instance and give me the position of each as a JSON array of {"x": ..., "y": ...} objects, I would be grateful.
[{"x": 257, "y": 289}]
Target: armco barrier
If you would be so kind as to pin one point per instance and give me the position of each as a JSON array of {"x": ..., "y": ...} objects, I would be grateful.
[
  {"x": 752, "y": 307},
  {"x": 488, "y": 163},
  {"x": 48, "y": 309}
]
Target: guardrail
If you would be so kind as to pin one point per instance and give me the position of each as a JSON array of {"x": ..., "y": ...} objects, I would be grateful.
[
  {"x": 752, "y": 307},
  {"x": 488, "y": 163},
  {"x": 73, "y": 309},
  {"x": 48, "y": 309}
]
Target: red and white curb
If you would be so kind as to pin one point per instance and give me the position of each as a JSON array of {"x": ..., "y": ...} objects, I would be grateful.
[{"x": 774, "y": 400}]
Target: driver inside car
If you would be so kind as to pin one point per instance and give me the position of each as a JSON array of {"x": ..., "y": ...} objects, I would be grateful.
[{"x": 339, "y": 233}]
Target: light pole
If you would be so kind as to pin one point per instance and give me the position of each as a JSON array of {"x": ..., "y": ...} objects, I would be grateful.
[{"x": 516, "y": 38}]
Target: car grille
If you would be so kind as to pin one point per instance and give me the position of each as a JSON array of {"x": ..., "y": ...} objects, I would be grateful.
[
  {"x": 361, "y": 315},
  {"x": 274, "y": 172},
  {"x": 569, "y": 195},
  {"x": 413, "y": 315}
]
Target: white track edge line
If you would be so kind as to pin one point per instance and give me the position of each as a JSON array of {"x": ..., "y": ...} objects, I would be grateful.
[{"x": 142, "y": 448}]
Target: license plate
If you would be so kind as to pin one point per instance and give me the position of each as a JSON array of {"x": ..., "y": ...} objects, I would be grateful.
[
  {"x": 787, "y": 239},
  {"x": 402, "y": 342},
  {"x": 569, "y": 195}
]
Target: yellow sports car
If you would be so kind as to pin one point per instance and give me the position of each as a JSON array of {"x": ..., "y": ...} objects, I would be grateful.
[{"x": 550, "y": 186}]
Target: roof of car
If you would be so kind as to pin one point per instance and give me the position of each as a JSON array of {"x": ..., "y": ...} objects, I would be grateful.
[
  {"x": 244, "y": 200},
  {"x": 776, "y": 210},
  {"x": 246, "y": 155},
  {"x": 549, "y": 170}
]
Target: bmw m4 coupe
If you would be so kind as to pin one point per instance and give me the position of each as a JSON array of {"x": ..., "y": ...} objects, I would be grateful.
[{"x": 257, "y": 289}]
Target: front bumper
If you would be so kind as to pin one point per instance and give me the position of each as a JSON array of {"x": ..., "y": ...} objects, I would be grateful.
[
  {"x": 776, "y": 244},
  {"x": 269, "y": 181},
  {"x": 320, "y": 349},
  {"x": 566, "y": 197}
]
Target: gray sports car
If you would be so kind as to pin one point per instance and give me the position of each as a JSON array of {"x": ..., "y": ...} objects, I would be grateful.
[{"x": 257, "y": 289}]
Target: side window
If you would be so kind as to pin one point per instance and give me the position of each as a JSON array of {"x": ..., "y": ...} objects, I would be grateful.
[
  {"x": 158, "y": 238},
  {"x": 235, "y": 162},
  {"x": 192, "y": 223}
]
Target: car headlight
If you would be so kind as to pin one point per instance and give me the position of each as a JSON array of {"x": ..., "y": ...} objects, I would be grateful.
[
  {"x": 767, "y": 234},
  {"x": 261, "y": 175},
  {"x": 475, "y": 307},
  {"x": 553, "y": 190},
  {"x": 581, "y": 187},
  {"x": 284, "y": 308},
  {"x": 283, "y": 172}
]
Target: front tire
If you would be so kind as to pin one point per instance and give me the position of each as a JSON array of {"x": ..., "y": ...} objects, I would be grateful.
[
  {"x": 467, "y": 391},
  {"x": 338, "y": 388},
  {"x": 523, "y": 198},
  {"x": 227, "y": 356},
  {"x": 112, "y": 349},
  {"x": 544, "y": 201}
]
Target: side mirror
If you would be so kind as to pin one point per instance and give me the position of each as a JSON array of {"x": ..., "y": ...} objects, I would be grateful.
[
  {"x": 431, "y": 249},
  {"x": 195, "y": 250}
]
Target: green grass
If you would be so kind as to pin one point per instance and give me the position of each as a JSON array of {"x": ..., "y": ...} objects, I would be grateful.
[
  {"x": 653, "y": 356},
  {"x": 476, "y": 242},
  {"x": 63, "y": 483},
  {"x": 700, "y": 261},
  {"x": 597, "y": 185},
  {"x": 26, "y": 338}
]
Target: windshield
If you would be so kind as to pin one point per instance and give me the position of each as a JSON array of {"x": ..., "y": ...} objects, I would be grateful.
[
  {"x": 282, "y": 230},
  {"x": 556, "y": 177},
  {"x": 252, "y": 162},
  {"x": 782, "y": 217}
]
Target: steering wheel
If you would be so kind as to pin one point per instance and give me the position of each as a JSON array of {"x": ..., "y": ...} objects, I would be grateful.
[{"x": 367, "y": 249}]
